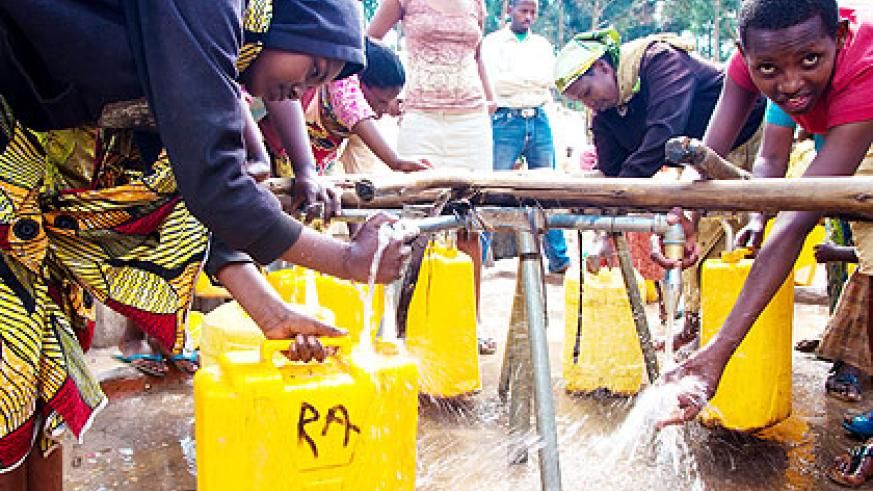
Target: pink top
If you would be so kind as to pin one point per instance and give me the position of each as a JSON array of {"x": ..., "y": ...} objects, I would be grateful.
[
  {"x": 847, "y": 100},
  {"x": 441, "y": 66},
  {"x": 329, "y": 119},
  {"x": 347, "y": 102}
]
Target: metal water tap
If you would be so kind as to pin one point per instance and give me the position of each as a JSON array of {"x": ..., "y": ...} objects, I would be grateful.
[{"x": 674, "y": 248}]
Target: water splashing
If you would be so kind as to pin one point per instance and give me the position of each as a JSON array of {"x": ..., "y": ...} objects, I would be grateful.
[{"x": 639, "y": 439}]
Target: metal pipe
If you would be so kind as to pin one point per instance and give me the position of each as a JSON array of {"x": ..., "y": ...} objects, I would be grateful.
[
  {"x": 623, "y": 223},
  {"x": 501, "y": 217},
  {"x": 528, "y": 243},
  {"x": 674, "y": 248}
]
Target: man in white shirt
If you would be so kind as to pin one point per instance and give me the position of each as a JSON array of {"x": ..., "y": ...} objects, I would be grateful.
[{"x": 520, "y": 65}]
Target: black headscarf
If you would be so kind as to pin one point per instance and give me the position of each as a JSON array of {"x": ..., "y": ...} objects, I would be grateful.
[{"x": 326, "y": 28}]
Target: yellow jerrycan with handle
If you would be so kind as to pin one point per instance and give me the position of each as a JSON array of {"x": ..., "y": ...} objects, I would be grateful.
[
  {"x": 441, "y": 325},
  {"x": 342, "y": 297},
  {"x": 604, "y": 352},
  {"x": 755, "y": 388},
  {"x": 228, "y": 328},
  {"x": 263, "y": 422}
]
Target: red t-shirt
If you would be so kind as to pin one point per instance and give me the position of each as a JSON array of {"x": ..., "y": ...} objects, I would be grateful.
[{"x": 848, "y": 98}]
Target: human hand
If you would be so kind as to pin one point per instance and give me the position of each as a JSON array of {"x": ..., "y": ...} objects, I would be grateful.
[
  {"x": 691, "y": 250},
  {"x": 258, "y": 169},
  {"x": 696, "y": 380},
  {"x": 358, "y": 260},
  {"x": 601, "y": 248},
  {"x": 305, "y": 330},
  {"x": 411, "y": 165},
  {"x": 308, "y": 192},
  {"x": 492, "y": 107},
  {"x": 752, "y": 234}
]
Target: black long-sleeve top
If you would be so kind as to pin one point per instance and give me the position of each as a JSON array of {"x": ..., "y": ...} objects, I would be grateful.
[
  {"x": 677, "y": 95},
  {"x": 61, "y": 61}
]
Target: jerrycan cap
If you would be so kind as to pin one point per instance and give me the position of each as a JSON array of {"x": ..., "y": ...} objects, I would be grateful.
[{"x": 734, "y": 256}]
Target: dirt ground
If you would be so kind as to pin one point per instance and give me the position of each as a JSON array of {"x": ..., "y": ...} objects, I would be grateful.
[{"x": 144, "y": 438}]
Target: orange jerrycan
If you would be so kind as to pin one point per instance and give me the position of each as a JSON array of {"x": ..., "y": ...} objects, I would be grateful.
[
  {"x": 755, "y": 389},
  {"x": 228, "y": 328},
  {"x": 604, "y": 351},
  {"x": 441, "y": 325},
  {"x": 265, "y": 423}
]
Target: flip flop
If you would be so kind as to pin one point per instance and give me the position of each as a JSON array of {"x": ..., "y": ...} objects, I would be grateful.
[
  {"x": 807, "y": 345},
  {"x": 135, "y": 360},
  {"x": 860, "y": 426},
  {"x": 193, "y": 358}
]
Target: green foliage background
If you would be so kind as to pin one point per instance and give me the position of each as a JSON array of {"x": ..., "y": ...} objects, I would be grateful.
[{"x": 560, "y": 19}]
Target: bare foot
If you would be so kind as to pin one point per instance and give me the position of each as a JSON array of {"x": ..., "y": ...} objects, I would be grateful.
[{"x": 853, "y": 468}]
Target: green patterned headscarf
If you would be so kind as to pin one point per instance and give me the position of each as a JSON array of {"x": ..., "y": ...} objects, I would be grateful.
[{"x": 582, "y": 51}]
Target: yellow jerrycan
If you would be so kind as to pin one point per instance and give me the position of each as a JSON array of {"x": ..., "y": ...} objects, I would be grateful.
[
  {"x": 204, "y": 288},
  {"x": 290, "y": 283},
  {"x": 228, "y": 328},
  {"x": 265, "y": 423},
  {"x": 755, "y": 388},
  {"x": 346, "y": 300},
  {"x": 441, "y": 325},
  {"x": 806, "y": 266},
  {"x": 342, "y": 297},
  {"x": 604, "y": 352}
]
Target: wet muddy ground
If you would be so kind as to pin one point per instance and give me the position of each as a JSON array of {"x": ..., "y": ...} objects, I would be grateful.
[{"x": 144, "y": 438}]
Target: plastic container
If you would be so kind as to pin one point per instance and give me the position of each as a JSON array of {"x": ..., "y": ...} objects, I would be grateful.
[
  {"x": 805, "y": 267},
  {"x": 342, "y": 297},
  {"x": 755, "y": 389},
  {"x": 228, "y": 328},
  {"x": 265, "y": 423},
  {"x": 441, "y": 325},
  {"x": 204, "y": 288},
  {"x": 608, "y": 354}
]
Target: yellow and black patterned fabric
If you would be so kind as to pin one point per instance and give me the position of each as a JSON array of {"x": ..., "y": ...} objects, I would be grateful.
[{"x": 82, "y": 216}]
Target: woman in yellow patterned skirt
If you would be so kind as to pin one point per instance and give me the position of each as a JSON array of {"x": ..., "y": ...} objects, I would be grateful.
[{"x": 89, "y": 204}]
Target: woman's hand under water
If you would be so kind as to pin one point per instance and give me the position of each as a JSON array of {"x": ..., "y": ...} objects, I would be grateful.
[
  {"x": 698, "y": 378},
  {"x": 359, "y": 255}
]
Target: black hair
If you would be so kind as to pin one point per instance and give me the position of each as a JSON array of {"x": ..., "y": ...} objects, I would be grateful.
[
  {"x": 384, "y": 69},
  {"x": 606, "y": 58},
  {"x": 780, "y": 14}
]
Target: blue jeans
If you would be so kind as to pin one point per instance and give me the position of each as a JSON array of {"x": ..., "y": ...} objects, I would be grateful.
[{"x": 518, "y": 136}]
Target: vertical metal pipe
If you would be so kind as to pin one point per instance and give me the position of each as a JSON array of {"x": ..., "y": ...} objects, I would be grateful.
[
  {"x": 518, "y": 377},
  {"x": 636, "y": 303},
  {"x": 528, "y": 242}
]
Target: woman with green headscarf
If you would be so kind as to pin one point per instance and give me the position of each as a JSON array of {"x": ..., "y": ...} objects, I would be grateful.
[{"x": 643, "y": 93}]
